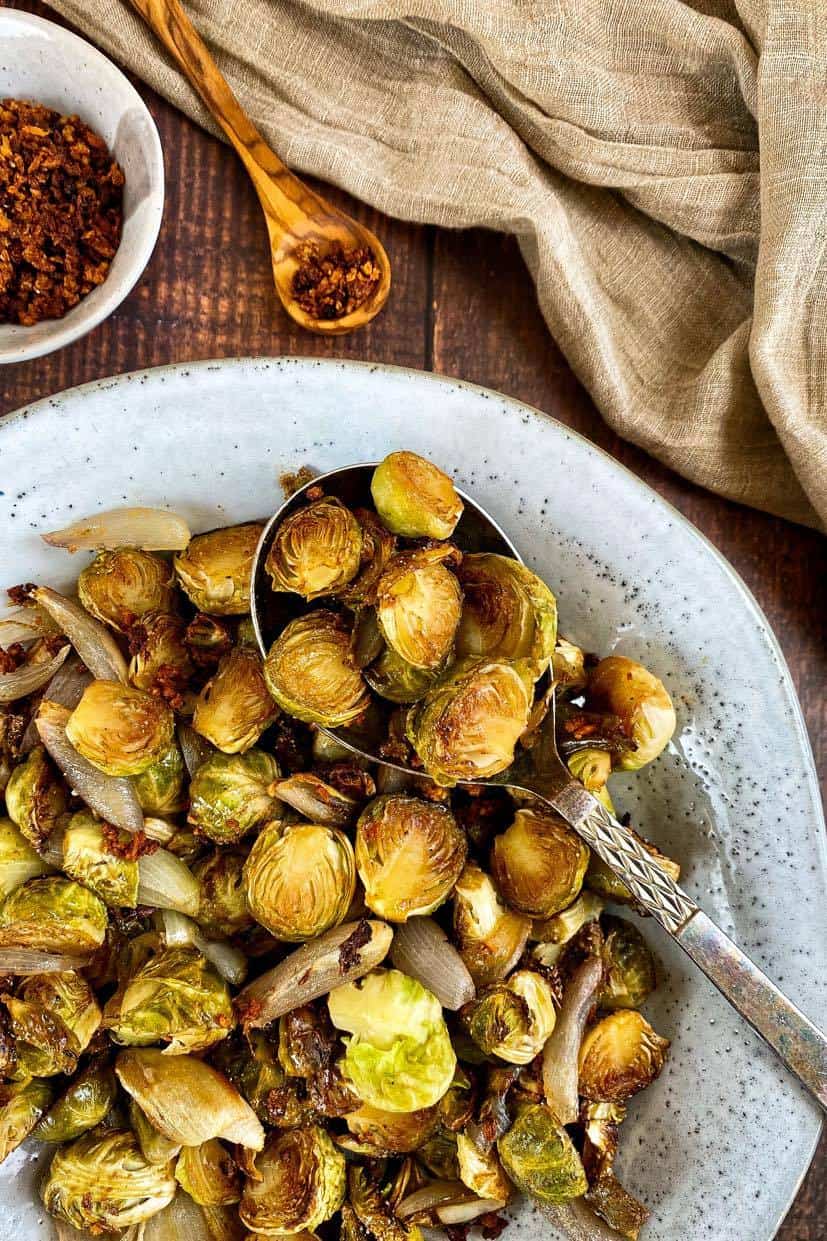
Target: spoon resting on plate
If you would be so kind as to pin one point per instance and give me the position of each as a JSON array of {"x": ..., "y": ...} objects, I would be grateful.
[{"x": 540, "y": 773}]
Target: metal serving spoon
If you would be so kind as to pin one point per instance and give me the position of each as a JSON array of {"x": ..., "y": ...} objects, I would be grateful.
[
  {"x": 294, "y": 212},
  {"x": 541, "y": 773}
]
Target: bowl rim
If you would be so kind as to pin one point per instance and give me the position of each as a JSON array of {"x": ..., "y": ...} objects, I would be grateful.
[{"x": 67, "y": 330}]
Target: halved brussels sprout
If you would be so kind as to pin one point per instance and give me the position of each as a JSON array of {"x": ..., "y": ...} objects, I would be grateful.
[
  {"x": 399, "y": 1057},
  {"x": 176, "y": 998},
  {"x": 568, "y": 665},
  {"x": 378, "y": 545},
  {"x": 393, "y": 678},
  {"x": 119, "y": 586},
  {"x": 439, "y": 1155},
  {"x": 52, "y": 1019},
  {"x": 310, "y": 672},
  {"x": 160, "y": 789},
  {"x": 251, "y": 1064},
  {"x": 209, "y": 1174},
  {"x": 22, "y": 1104},
  {"x": 18, "y": 860},
  {"x": 409, "y": 854},
  {"x": 414, "y": 498},
  {"x": 513, "y": 1019},
  {"x": 299, "y": 1183},
  {"x": 155, "y": 1147},
  {"x": 53, "y": 914},
  {"x": 120, "y": 730},
  {"x": 317, "y": 550},
  {"x": 620, "y": 1055},
  {"x": 507, "y": 612},
  {"x": 539, "y": 1157},
  {"x": 380, "y": 1132},
  {"x": 591, "y": 767},
  {"x": 300, "y": 881},
  {"x": 229, "y": 795},
  {"x": 35, "y": 797},
  {"x": 539, "y": 863},
  {"x": 223, "y": 908},
  {"x": 369, "y": 1214},
  {"x": 482, "y": 1171},
  {"x": 490, "y": 937},
  {"x": 215, "y": 569},
  {"x": 87, "y": 859},
  {"x": 235, "y": 707},
  {"x": 156, "y": 644},
  {"x": 467, "y": 726},
  {"x": 555, "y": 932},
  {"x": 84, "y": 1104},
  {"x": 102, "y": 1182},
  {"x": 418, "y": 605},
  {"x": 640, "y": 700},
  {"x": 630, "y": 969}
]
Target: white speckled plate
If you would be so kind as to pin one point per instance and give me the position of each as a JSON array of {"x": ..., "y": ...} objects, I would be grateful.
[{"x": 718, "y": 1145}]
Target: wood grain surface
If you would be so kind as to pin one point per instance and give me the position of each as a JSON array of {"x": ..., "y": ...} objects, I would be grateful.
[{"x": 463, "y": 305}]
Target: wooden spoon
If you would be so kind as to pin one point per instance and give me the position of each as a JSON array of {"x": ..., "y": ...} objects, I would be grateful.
[{"x": 294, "y": 213}]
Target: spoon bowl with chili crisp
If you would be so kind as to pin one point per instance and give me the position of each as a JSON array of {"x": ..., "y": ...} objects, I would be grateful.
[{"x": 331, "y": 273}]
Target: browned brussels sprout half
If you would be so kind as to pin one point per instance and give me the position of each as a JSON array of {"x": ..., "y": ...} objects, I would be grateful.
[
  {"x": 379, "y": 1132},
  {"x": 222, "y": 909},
  {"x": 490, "y": 937},
  {"x": 378, "y": 545},
  {"x": 119, "y": 586},
  {"x": 300, "y": 881},
  {"x": 53, "y": 914},
  {"x": 540, "y": 1157},
  {"x": 539, "y": 863},
  {"x": 414, "y": 498},
  {"x": 156, "y": 643},
  {"x": 235, "y": 707},
  {"x": 84, "y": 1104},
  {"x": 507, "y": 612},
  {"x": 513, "y": 1019},
  {"x": 310, "y": 671},
  {"x": 418, "y": 604},
  {"x": 640, "y": 700},
  {"x": 299, "y": 1183},
  {"x": 229, "y": 795},
  {"x": 215, "y": 569},
  {"x": 18, "y": 860},
  {"x": 120, "y": 730},
  {"x": 208, "y": 1174},
  {"x": 619, "y": 1056},
  {"x": 630, "y": 969},
  {"x": 317, "y": 550},
  {"x": 22, "y": 1104},
  {"x": 52, "y": 1019},
  {"x": 35, "y": 797}
]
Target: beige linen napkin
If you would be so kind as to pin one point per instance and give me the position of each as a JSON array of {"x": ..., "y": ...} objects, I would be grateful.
[{"x": 685, "y": 279}]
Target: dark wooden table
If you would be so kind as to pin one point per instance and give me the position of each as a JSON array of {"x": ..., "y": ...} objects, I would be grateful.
[{"x": 462, "y": 305}]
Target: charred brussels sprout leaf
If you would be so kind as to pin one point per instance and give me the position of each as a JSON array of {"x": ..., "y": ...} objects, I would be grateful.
[
  {"x": 619, "y": 1056},
  {"x": 120, "y": 730},
  {"x": 54, "y": 915},
  {"x": 208, "y": 1174},
  {"x": 507, "y": 612},
  {"x": 35, "y": 797},
  {"x": 215, "y": 569},
  {"x": 369, "y": 1214},
  {"x": 490, "y": 937},
  {"x": 482, "y": 1171},
  {"x": 235, "y": 707},
  {"x": 317, "y": 550},
  {"x": 418, "y": 604},
  {"x": 399, "y": 1056},
  {"x": 102, "y": 1182},
  {"x": 223, "y": 905},
  {"x": 380, "y": 1132},
  {"x": 513, "y": 1020},
  {"x": 630, "y": 970},
  {"x": 409, "y": 854},
  {"x": 467, "y": 725},
  {"x": 640, "y": 699},
  {"x": 300, "y": 881},
  {"x": 251, "y": 1064},
  {"x": 119, "y": 586},
  {"x": 160, "y": 788},
  {"x": 229, "y": 795},
  {"x": 87, "y": 859},
  {"x": 176, "y": 998},
  {"x": 568, "y": 666},
  {"x": 310, "y": 671},
  {"x": 378, "y": 545},
  {"x": 18, "y": 860},
  {"x": 83, "y": 1105},
  {"x": 393, "y": 678},
  {"x": 302, "y": 1183},
  {"x": 539, "y": 1157},
  {"x": 21, "y": 1106},
  {"x": 539, "y": 863},
  {"x": 158, "y": 649},
  {"x": 414, "y": 498},
  {"x": 52, "y": 1019}
]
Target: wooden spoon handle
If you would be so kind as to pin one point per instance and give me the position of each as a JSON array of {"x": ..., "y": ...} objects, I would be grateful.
[{"x": 287, "y": 202}]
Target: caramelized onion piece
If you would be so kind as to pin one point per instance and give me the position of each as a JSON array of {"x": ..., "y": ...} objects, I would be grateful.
[
  {"x": 29, "y": 678},
  {"x": 151, "y": 529},
  {"x": 92, "y": 640},
  {"x": 421, "y": 949}
]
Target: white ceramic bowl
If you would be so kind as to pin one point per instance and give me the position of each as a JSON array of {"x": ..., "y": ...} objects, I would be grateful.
[{"x": 43, "y": 62}]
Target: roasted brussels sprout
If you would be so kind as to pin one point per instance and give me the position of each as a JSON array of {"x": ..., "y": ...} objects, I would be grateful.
[
  {"x": 84, "y": 1104},
  {"x": 52, "y": 1020},
  {"x": 629, "y": 691},
  {"x": 35, "y": 797},
  {"x": 317, "y": 550},
  {"x": 120, "y": 730},
  {"x": 176, "y": 998},
  {"x": 18, "y": 860},
  {"x": 369, "y": 1213},
  {"x": 399, "y": 1057},
  {"x": 87, "y": 859},
  {"x": 310, "y": 672},
  {"x": 299, "y": 1183},
  {"x": 379, "y": 1132},
  {"x": 102, "y": 1182},
  {"x": 300, "y": 881},
  {"x": 54, "y": 915},
  {"x": 467, "y": 725},
  {"x": 378, "y": 545},
  {"x": 619, "y": 1056},
  {"x": 490, "y": 937},
  {"x": 507, "y": 612},
  {"x": 591, "y": 767},
  {"x": 208, "y": 1174},
  {"x": 159, "y": 653},
  {"x": 251, "y": 1064},
  {"x": 512, "y": 1019},
  {"x": 555, "y": 932},
  {"x": 539, "y": 863},
  {"x": 418, "y": 605},
  {"x": 540, "y": 1158},
  {"x": 22, "y": 1104},
  {"x": 229, "y": 795},
  {"x": 482, "y": 1171},
  {"x": 414, "y": 498},
  {"x": 391, "y": 677},
  {"x": 409, "y": 854},
  {"x": 235, "y": 707},
  {"x": 568, "y": 667},
  {"x": 215, "y": 569},
  {"x": 161, "y": 788},
  {"x": 155, "y": 1147},
  {"x": 119, "y": 586},
  {"x": 630, "y": 969},
  {"x": 223, "y": 908}
]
